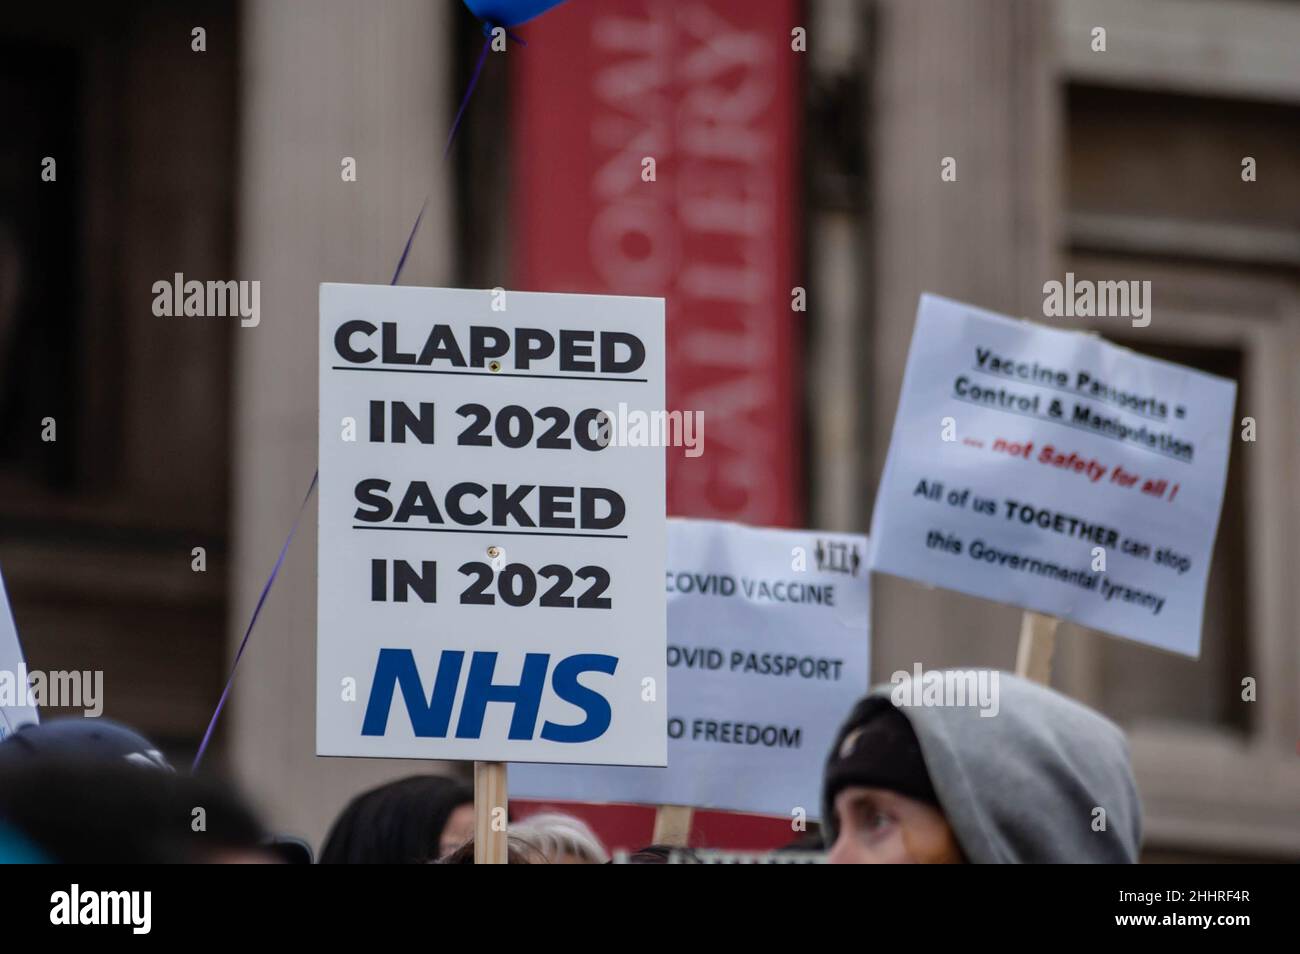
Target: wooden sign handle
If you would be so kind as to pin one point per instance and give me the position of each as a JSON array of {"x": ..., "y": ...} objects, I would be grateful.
[
  {"x": 673, "y": 825},
  {"x": 1037, "y": 641},
  {"x": 490, "y": 840}
]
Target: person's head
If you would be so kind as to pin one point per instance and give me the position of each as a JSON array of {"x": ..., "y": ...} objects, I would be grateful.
[
  {"x": 520, "y": 850},
  {"x": 459, "y": 828},
  {"x": 82, "y": 739},
  {"x": 97, "y": 811},
  {"x": 562, "y": 839},
  {"x": 409, "y": 821},
  {"x": 1042, "y": 779},
  {"x": 657, "y": 855},
  {"x": 886, "y": 811}
]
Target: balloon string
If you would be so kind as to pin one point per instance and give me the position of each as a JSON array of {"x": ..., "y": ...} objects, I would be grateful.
[
  {"x": 406, "y": 250},
  {"x": 473, "y": 81},
  {"x": 279, "y": 561},
  {"x": 261, "y": 600}
]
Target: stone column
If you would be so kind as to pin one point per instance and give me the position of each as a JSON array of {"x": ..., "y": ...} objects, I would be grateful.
[
  {"x": 319, "y": 82},
  {"x": 975, "y": 82}
]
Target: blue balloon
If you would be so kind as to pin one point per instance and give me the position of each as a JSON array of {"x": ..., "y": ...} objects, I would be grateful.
[{"x": 508, "y": 13}]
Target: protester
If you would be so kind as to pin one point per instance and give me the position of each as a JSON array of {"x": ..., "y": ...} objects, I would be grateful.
[
  {"x": 562, "y": 839},
  {"x": 94, "y": 791},
  {"x": 77, "y": 738},
  {"x": 520, "y": 850},
  {"x": 1045, "y": 779},
  {"x": 658, "y": 855},
  {"x": 410, "y": 821},
  {"x": 95, "y": 811},
  {"x": 808, "y": 842},
  {"x": 288, "y": 849}
]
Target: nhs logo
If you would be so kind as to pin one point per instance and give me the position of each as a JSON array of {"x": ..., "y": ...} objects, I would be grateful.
[{"x": 428, "y": 699}]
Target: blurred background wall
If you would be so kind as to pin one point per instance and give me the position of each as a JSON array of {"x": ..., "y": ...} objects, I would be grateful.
[{"x": 181, "y": 433}]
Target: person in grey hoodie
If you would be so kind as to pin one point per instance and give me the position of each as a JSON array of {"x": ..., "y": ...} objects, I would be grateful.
[{"x": 1035, "y": 778}]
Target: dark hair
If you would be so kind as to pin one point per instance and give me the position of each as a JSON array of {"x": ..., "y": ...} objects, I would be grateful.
[
  {"x": 397, "y": 823},
  {"x": 519, "y": 851},
  {"x": 810, "y": 840},
  {"x": 97, "y": 812},
  {"x": 661, "y": 855}
]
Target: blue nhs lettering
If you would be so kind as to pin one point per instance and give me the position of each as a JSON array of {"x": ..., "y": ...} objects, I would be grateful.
[{"x": 432, "y": 718}]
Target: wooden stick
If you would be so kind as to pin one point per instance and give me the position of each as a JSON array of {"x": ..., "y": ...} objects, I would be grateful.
[
  {"x": 1037, "y": 641},
  {"x": 490, "y": 836},
  {"x": 673, "y": 825}
]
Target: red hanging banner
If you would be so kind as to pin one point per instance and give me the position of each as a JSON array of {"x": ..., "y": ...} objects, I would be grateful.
[{"x": 654, "y": 152}]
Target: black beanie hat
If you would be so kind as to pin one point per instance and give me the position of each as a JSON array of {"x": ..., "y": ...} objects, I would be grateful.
[{"x": 876, "y": 748}]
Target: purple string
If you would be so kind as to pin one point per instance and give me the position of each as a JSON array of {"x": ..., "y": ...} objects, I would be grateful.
[
  {"x": 261, "y": 600},
  {"x": 473, "y": 81},
  {"x": 406, "y": 250},
  {"x": 279, "y": 561}
]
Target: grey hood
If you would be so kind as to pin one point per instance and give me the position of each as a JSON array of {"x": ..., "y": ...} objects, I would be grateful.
[{"x": 1022, "y": 785}]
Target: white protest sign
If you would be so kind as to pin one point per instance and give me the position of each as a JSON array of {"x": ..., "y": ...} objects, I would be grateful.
[
  {"x": 768, "y": 650},
  {"x": 16, "y": 708},
  {"x": 489, "y": 569},
  {"x": 1057, "y": 472}
]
